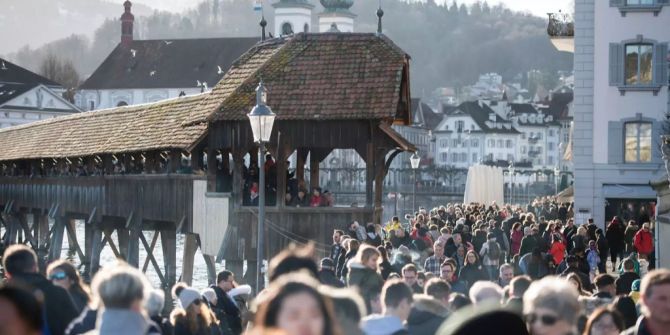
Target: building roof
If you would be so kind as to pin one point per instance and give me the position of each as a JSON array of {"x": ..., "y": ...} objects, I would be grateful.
[
  {"x": 480, "y": 113},
  {"x": 168, "y": 63},
  {"x": 11, "y": 73},
  {"x": 155, "y": 126},
  {"x": 11, "y": 91},
  {"x": 524, "y": 108},
  {"x": 326, "y": 76}
]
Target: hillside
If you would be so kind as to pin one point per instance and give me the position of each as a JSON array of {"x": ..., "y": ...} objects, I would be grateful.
[{"x": 450, "y": 45}]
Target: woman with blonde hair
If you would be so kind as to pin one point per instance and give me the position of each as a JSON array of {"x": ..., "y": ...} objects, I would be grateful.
[{"x": 364, "y": 274}]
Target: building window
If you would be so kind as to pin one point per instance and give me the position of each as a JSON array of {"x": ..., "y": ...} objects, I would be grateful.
[
  {"x": 464, "y": 157},
  {"x": 474, "y": 158},
  {"x": 444, "y": 157},
  {"x": 638, "y": 65},
  {"x": 637, "y": 142},
  {"x": 501, "y": 144},
  {"x": 626, "y": 6},
  {"x": 91, "y": 105},
  {"x": 523, "y": 149},
  {"x": 508, "y": 143},
  {"x": 551, "y": 132},
  {"x": 638, "y": 69},
  {"x": 523, "y": 136},
  {"x": 550, "y": 146},
  {"x": 459, "y": 126},
  {"x": 475, "y": 143},
  {"x": 286, "y": 29},
  {"x": 492, "y": 143}
]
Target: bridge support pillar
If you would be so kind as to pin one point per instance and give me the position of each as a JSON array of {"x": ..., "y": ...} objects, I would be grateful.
[
  {"x": 56, "y": 245},
  {"x": 169, "y": 245},
  {"x": 190, "y": 247}
]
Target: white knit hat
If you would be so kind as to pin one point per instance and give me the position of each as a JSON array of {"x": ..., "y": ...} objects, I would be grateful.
[
  {"x": 187, "y": 296},
  {"x": 209, "y": 294}
]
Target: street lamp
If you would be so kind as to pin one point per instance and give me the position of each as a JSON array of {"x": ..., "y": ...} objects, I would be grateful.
[
  {"x": 261, "y": 119},
  {"x": 557, "y": 171},
  {"x": 415, "y": 160},
  {"x": 511, "y": 175}
]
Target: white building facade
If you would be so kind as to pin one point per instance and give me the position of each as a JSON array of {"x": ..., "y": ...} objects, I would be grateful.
[{"x": 621, "y": 98}]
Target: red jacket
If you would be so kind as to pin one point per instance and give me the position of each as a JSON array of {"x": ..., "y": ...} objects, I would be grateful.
[
  {"x": 643, "y": 242},
  {"x": 558, "y": 252}
]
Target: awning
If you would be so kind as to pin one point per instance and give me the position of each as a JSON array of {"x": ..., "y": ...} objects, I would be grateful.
[
  {"x": 402, "y": 142},
  {"x": 618, "y": 191}
]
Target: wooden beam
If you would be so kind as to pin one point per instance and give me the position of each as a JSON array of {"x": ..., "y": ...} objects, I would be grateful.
[
  {"x": 150, "y": 255},
  {"x": 56, "y": 245},
  {"x": 134, "y": 226},
  {"x": 211, "y": 169},
  {"x": 169, "y": 245},
  {"x": 190, "y": 247},
  {"x": 73, "y": 243},
  {"x": 97, "y": 244},
  {"x": 154, "y": 239}
]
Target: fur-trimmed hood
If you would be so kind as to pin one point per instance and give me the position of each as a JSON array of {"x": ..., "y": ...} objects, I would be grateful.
[{"x": 430, "y": 305}]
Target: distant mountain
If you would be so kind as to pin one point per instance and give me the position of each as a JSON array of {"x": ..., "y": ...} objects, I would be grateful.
[
  {"x": 36, "y": 22},
  {"x": 449, "y": 45}
]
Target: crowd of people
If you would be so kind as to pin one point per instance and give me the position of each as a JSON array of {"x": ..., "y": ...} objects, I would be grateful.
[{"x": 455, "y": 269}]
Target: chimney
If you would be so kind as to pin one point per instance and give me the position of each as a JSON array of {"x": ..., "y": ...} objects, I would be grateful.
[{"x": 127, "y": 20}]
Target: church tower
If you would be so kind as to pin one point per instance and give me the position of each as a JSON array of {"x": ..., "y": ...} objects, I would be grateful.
[
  {"x": 292, "y": 16},
  {"x": 127, "y": 20},
  {"x": 336, "y": 16}
]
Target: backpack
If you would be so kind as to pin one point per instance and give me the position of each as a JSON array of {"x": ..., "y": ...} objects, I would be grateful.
[{"x": 493, "y": 251}]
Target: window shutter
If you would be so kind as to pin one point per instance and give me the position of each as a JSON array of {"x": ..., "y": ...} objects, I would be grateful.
[
  {"x": 661, "y": 64},
  {"x": 616, "y": 64},
  {"x": 616, "y": 3},
  {"x": 656, "y": 132},
  {"x": 616, "y": 144}
]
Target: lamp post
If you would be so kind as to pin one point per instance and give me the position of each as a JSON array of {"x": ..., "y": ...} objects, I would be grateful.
[
  {"x": 415, "y": 160},
  {"x": 557, "y": 171},
  {"x": 261, "y": 119},
  {"x": 511, "y": 177}
]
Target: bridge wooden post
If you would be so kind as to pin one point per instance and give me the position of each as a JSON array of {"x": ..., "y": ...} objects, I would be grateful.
[
  {"x": 190, "y": 247},
  {"x": 56, "y": 245},
  {"x": 134, "y": 227},
  {"x": 123, "y": 239},
  {"x": 41, "y": 223},
  {"x": 95, "y": 249},
  {"x": 169, "y": 245}
]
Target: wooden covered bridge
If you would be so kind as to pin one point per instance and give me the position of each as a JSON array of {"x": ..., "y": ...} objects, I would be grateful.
[{"x": 183, "y": 166}]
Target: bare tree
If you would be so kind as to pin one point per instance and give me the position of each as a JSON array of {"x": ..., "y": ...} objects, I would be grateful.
[{"x": 60, "y": 71}]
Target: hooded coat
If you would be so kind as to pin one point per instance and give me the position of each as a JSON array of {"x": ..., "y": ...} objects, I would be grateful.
[{"x": 426, "y": 316}]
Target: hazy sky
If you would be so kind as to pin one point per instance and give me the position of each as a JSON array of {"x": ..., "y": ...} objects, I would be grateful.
[{"x": 537, "y": 7}]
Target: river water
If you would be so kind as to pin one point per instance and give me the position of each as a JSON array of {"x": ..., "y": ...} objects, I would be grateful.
[{"x": 107, "y": 257}]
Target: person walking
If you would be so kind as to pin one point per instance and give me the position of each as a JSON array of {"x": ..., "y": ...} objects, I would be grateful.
[
  {"x": 20, "y": 265},
  {"x": 615, "y": 239},
  {"x": 644, "y": 242},
  {"x": 491, "y": 253}
]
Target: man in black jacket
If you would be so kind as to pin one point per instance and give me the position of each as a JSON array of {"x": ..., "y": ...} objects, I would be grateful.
[
  {"x": 225, "y": 281},
  {"x": 20, "y": 264}
]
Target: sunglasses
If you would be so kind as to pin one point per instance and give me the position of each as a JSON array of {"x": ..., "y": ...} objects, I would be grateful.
[
  {"x": 58, "y": 276},
  {"x": 545, "y": 319}
]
